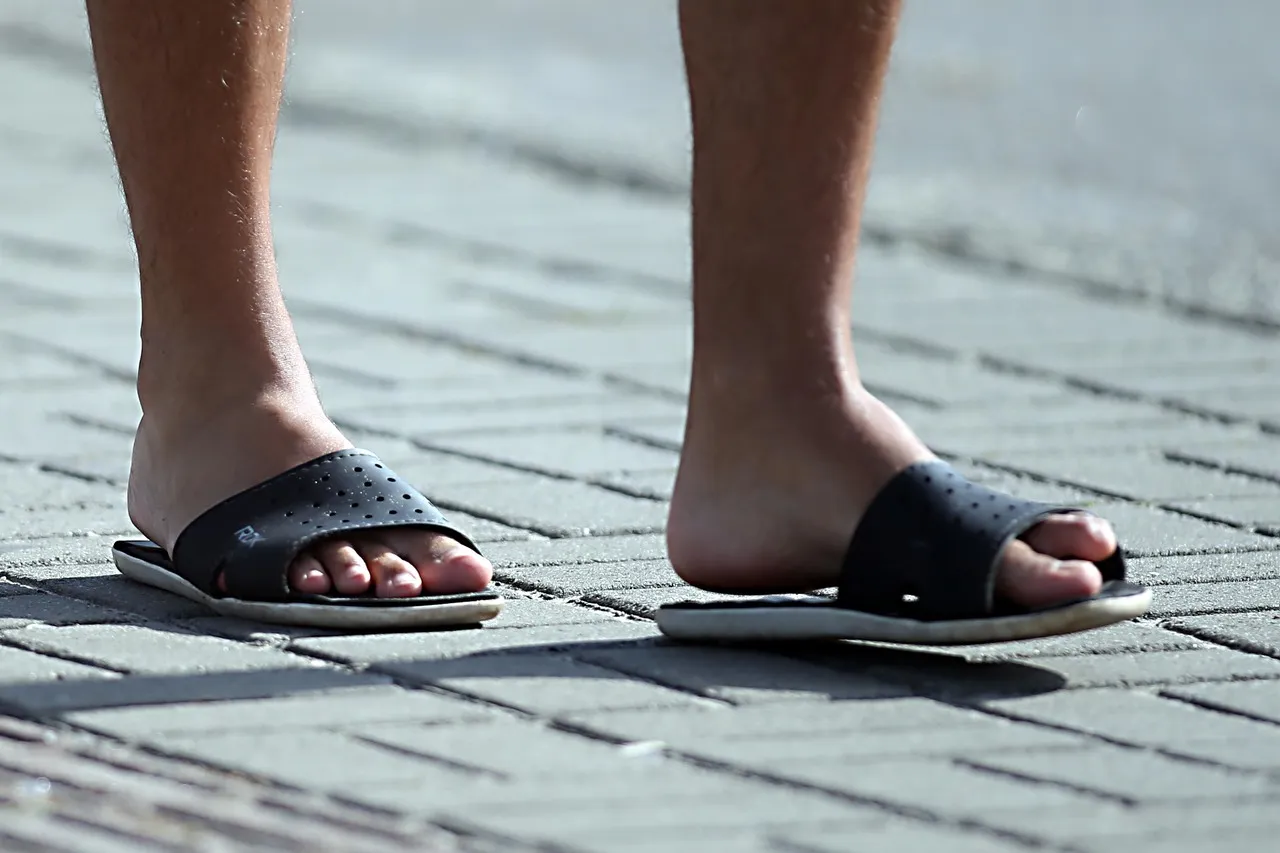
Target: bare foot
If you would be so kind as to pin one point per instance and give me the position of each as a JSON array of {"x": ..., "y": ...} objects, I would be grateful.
[
  {"x": 189, "y": 455},
  {"x": 764, "y": 506}
]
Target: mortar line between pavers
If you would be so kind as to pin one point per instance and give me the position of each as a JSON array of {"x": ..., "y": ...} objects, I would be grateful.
[
  {"x": 10, "y": 642},
  {"x": 1211, "y": 705},
  {"x": 1207, "y": 463}
]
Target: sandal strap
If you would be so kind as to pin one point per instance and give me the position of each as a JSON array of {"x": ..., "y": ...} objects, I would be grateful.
[
  {"x": 252, "y": 538},
  {"x": 929, "y": 546}
]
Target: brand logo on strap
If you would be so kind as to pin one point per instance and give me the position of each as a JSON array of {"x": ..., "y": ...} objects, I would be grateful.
[{"x": 248, "y": 536}]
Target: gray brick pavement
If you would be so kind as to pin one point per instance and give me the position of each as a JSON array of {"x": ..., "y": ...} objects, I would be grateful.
[{"x": 520, "y": 347}]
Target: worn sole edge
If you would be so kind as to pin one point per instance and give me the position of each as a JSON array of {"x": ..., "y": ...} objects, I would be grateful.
[
  {"x": 307, "y": 615},
  {"x": 818, "y": 622}
]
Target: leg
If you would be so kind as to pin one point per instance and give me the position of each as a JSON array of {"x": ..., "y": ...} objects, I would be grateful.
[
  {"x": 784, "y": 98},
  {"x": 191, "y": 91}
]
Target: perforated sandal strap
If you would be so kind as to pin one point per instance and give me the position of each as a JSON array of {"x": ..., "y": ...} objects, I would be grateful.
[
  {"x": 251, "y": 539},
  {"x": 929, "y": 545}
]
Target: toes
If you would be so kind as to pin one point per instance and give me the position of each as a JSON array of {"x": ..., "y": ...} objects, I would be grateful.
[
  {"x": 445, "y": 565},
  {"x": 307, "y": 575},
  {"x": 345, "y": 567},
  {"x": 393, "y": 576},
  {"x": 1075, "y": 536},
  {"x": 1038, "y": 580}
]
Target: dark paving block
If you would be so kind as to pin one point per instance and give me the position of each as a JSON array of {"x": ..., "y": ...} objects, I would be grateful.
[
  {"x": 584, "y": 549},
  {"x": 739, "y": 675},
  {"x": 574, "y": 580},
  {"x": 1131, "y": 774}
]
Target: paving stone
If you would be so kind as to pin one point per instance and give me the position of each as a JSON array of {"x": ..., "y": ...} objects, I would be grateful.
[
  {"x": 1203, "y": 568},
  {"x": 565, "y": 824},
  {"x": 740, "y": 676},
  {"x": 360, "y": 706},
  {"x": 972, "y": 739},
  {"x": 559, "y": 507},
  {"x": 821, "y": 720},
  {"x": 658, "y": 485},
  {"x": 1132, "y": 775},
  {"x": 542, "y": 684},
  {"x": 644, "y": 602},
  {"x": 1110, "y": 826},
  {"x": 153, "y": 650},
  {"x": 1148, "y": 532},
  {"x": 484, "y": 531},
  {"x": 315, "y": 760},
  {"x": 1136, "y": 717},
  {"x": 667, "y": 434},
  {"x": 1252, "y": 632},
  {"x": 583, "y": 549},
  {"x": 1260, "y": 514},
  {"x": 1259, "y": 699},
  {"x": 444, "y": 645},
  {"x": 1136, "y": 475},
  {"x": 430, "y": 422},
  {"x": 1215, "y": 597},
  {"x": 100, "y": 519},
  {"x": 573, "y": 580},
  {"x": 75, "y": 693},
  {"x": 580, "y": 453},
  {"x": 899, "y": 835},
  {"x": 116, "y": 591},
  {"x": 536, "y": 612},
  {"x": 516, "y": 749},
  {"x": 1124, "y": 638},
  {"x": 19, "y": 667},
  {"x": 19, "y": 610},
  {"x": 56, "y": 558},
  {"x": 1257, "y": 457},
  {"x": 933, "y": 786}
]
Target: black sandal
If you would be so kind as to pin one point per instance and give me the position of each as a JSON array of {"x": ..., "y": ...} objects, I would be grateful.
[
  {"x": 250, "y": 540},
  {"x": 921, "y": 569}
]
